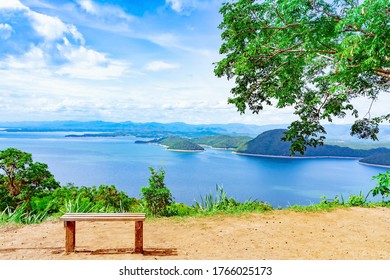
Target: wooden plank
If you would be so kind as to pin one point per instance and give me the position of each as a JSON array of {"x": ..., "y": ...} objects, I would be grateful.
[
  {"x": 139, "y": 237},
  {"x": 103, "y": 217},
  {"x": 70, "y": 236}
]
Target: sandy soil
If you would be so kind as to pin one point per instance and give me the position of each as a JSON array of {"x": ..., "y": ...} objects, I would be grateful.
[{"x": 353, "y": 233}]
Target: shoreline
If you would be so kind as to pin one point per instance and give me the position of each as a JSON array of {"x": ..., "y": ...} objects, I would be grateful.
[
  {"x": 375, "y": 165},
  {"x": 214, "y": 148},
  {"x": 295, "y": 157},
  {"x": 185, "y": 151}
]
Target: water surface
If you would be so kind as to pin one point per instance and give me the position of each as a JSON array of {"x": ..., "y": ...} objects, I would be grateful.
[{"x": 119, "y": 161}]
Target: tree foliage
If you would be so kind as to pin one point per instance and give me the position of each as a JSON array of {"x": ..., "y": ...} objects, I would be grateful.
[
  {"x": 22, "y": 178},
  {"x": 314, "y": 56},
  {"x": 157, "y": 196}
]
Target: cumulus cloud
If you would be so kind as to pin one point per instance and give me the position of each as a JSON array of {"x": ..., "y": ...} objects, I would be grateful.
[
  {"x": 52, "y": 28},
  {"x": 59, "y": 49},
  {"x": 160, "y": 66},
  {"x": 5, "y": 30},
  {"x": 86, "y": 63},
  {"x": 11, "y": 4},
  {"x": 34, "y": 59}
]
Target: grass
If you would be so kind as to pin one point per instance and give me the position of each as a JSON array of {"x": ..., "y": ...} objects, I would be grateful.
[
  {"x": 220, "y": 203},
  {"x": 331, "y": 204},
  {"x": 21, "y": 216},
  {"x": 213, "y": 204}
]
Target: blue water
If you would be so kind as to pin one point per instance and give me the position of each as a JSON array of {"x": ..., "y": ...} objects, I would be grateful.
[{"x": 119, "y": 161}]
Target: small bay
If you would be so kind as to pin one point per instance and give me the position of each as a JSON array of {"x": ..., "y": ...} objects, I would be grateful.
[{"x": 119, "y": 161}]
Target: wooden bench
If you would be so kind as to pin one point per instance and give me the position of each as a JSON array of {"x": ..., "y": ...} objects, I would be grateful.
[{"x": 70, "y": 220}]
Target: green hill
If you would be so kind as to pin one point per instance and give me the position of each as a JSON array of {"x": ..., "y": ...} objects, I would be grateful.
[
  {"x": 269, "y": 143},
  {"x": 222, "y": 141},
  {"x": 178, "y": 143}
]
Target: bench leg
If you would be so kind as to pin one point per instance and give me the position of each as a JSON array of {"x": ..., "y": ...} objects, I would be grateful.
[
  {"x": 139, "y": 237},
  {"x": 70, "y": 236}
]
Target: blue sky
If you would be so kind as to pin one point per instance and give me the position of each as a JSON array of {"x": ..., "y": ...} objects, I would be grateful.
[{"x": 119, "y": 60}]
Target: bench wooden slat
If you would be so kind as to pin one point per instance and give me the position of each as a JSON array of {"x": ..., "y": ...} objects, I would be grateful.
[{"x": 103, "y": 217}]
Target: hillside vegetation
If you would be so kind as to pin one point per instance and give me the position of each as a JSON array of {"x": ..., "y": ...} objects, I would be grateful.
[
  {"x": 223, "y": 141},
  {"x": 178, "y": 143},
  {"x": 269, "y": 143},
  {"x": 380, "y": 159}
]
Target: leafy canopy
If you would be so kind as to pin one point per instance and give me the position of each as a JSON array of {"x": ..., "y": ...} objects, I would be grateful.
[
  {"x": 157, "y": 197},
  {"x": 314, "y": 56},
  {"x": 21, "y": 177}
]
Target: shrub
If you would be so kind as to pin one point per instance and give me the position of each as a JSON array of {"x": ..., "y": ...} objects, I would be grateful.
[
  {"x": 156, "y": 197},
  {"x": 179, "y": 209},
  {"x": 356, "y": 200},
  {"x": 382, "y": 186}
]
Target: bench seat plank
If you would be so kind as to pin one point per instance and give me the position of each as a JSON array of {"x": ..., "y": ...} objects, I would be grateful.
[{"x": 103, "y": 217}]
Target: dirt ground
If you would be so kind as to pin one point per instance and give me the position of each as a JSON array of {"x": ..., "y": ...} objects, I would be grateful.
[{"x": 353, "y": 234}]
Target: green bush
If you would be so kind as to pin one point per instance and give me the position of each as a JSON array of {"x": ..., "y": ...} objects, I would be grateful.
[
  {"x": 90, "y": 199},
  {"x": 156, "y": 197},
  {"x": 382, "y": 186},
  {"x": 356, "y": 200},
  {"x": 179, "y": 209}
]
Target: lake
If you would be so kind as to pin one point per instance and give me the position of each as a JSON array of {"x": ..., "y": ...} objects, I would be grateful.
[{"x": 119, "y": 161}]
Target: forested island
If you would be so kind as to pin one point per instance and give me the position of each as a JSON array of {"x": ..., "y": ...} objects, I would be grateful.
[
  {"x": 269, "y": 143},
  {"x": 175, "y": 143},
  {"x": 379, "y": 159},
  {"x": 222, "y": 141}
]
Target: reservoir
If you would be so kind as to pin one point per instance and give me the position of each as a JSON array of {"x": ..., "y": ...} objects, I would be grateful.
[{"x": 119, "y": 161}]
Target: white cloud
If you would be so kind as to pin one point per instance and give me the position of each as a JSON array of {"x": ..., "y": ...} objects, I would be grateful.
[
  {"x": 169, "y": 40},
  {"x": 160, "y": 66},
  {"x": 11, "y": 4},
  {"x": 88, "y": 64},
  {"x": 88, "y": 6},
  {"x": 5, "y": 30},
  {"x": 186, "y": 6},
  {"x": 105, "y": 10},
  {"x": 176, "y": 5},
  {"x": 52, "y": 28},
  {"x": 34, "y": 59}
]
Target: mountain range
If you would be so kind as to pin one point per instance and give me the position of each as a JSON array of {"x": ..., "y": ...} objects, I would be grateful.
[{"x": 155, "y": 129}]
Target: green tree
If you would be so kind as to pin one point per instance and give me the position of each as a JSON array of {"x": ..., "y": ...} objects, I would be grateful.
[
  {"x": 156, "y": 196},
  {"x": 22, "y": 178},
  {"x": 314, "y": 56}
]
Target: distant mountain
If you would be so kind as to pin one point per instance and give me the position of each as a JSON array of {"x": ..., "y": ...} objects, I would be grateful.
[
  {"x": 175, "y": 143},
  {"x": 222, "y": 141},
  {"x": 379, "y": 159},
  {"x": 147, "y": 130},
  {"x": 269, "y": 143},
  {"x": 158, "y": 130}
]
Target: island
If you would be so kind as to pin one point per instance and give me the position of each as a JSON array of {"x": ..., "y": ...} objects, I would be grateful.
[
  {"x": 175, "y": 143},
  {"x": 269, "y": 143},
  {"x": 224, "y": 142},
  {"x": 377, "y": 160}
]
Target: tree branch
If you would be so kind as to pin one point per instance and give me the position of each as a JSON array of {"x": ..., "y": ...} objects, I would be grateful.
[
  {"x": 277, "y": 12},
  {"x": 324, "y": 12},
  {"x": 383, "y": 75}
]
